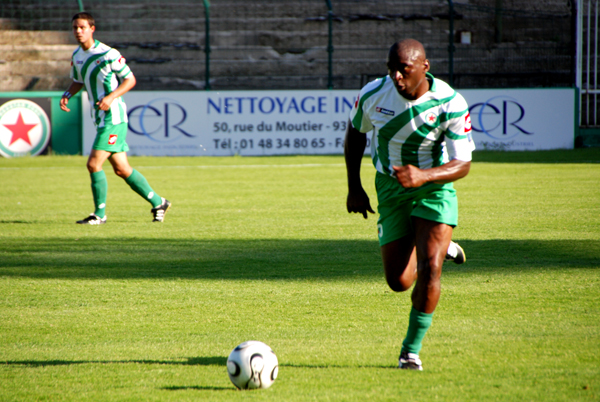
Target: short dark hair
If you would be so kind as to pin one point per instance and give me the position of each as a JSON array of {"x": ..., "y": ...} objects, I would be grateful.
[{"x": 84, "y": 16}]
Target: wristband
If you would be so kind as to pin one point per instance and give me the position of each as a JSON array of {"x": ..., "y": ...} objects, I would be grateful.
[{"x": 67, "y": 95}]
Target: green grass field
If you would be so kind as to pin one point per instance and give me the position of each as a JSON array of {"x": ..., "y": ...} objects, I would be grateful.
[{"x": 262, "y": 248}]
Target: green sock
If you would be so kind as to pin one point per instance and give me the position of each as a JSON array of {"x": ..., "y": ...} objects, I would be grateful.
[
  {"x": 418, "y": 325},
  {"x": 139, "y": 184},
  {"x": 99, "y": 190}
]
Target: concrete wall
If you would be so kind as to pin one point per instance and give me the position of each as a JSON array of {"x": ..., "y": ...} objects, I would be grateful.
[{"x": 277, "y": 45}]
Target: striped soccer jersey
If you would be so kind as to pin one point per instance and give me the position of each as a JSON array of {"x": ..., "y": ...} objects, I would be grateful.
[
  {"x": 426, "y": 132},
  {"x": 98, "y": 68}
]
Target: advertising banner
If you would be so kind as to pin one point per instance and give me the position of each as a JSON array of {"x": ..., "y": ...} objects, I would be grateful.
[
  {"x": 234, "y": 122},
  {"x": 24, "y": 126},
  {"x": 206, "y": 123},
  {"x": 522, "y": 119}
]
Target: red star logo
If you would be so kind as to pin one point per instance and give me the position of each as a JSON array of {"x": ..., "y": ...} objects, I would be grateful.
[
  {"x": 20, "y": 130},
  {"x": 431, "y": 118}
]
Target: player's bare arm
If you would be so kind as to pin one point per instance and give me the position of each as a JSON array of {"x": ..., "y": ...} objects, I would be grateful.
[
  {"x": 123, "y": 88},
  {"x": 410, "y": 176},
  {"x": 354, "y": 149},
  {"x": 71, "y": 91}
]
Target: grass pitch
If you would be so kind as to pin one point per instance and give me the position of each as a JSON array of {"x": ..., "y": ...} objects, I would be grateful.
[{"x": 262, "y": 248}]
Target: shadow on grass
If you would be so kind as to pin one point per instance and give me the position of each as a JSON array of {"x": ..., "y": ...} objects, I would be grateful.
[
  {"x": 190, "y": 361},
  {"x": 579, "y": 155},
  {"x": 198, "y": 388},
  {"x": 17, "y": 222},
  {"x": 134, "y": 258}
]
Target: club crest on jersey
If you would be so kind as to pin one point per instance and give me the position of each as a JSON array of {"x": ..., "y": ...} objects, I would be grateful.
[
  {"x": 388, "y": 112},
  {"x": 431, "y": 119},
  {"x": 112, "y": 139}
]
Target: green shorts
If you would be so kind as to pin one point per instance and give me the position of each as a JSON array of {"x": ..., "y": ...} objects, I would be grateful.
[
  {"x": 111, "y": 138},
  {"x": 397, "y": 206}
]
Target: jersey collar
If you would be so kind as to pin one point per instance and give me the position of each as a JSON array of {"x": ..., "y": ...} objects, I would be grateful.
[
  {"x": 431, "y": 79},
  {"x": 95, "y": 45}
]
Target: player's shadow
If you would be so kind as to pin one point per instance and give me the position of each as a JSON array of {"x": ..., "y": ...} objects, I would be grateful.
[
  {"x": 269, "y": 259},
  {"x": 4, "y": 221},
  {"x": 337, "y": 366},
  {"x": 198, "y": 388},
  {"x": 581, "y": 155},
  {"x": 189, "y": 361}
]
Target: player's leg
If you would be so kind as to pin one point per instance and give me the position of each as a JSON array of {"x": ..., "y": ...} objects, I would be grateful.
[
  {"x": 99, "y": 187},
  {"x": 109, "y": 139},
  {"x": 400, "y": 263},
  {"x": 139, "y": 184},
  {"x": 432, "y": 240},
  {"x": 395, "y": 233},
  {"x": 435, "y": 213},
  {"x": 121, "y": 165}
]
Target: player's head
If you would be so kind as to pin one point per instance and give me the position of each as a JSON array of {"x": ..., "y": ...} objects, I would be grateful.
[
  {"x": 85, "y": 16},
  {"x": 407, "y": 65},
  {"x": 84, "y": 26}
]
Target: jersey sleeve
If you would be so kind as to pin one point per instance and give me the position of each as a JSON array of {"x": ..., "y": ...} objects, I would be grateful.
[
  {"x": 459, "y": 141},
  {"x": 358, "y": 118},
  {"x": 119, "y": 65}
]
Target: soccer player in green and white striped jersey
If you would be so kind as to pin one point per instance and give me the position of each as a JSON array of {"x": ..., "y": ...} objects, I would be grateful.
[
  {"x": 421, "y": 143},
  {"x": 105, "y": 75}
]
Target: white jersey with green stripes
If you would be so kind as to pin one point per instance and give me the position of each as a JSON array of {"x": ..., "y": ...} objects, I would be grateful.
[
  {"x": 426, "y": 132},
  {"x": 98, "y": 68}
]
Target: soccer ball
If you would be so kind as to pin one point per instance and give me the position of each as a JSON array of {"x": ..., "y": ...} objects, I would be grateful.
[{"x": 252, "y": 365}]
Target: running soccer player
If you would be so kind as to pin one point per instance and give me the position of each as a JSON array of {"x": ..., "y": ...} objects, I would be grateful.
[
  {"x": 99, "y": 68},
  {"x": 421, "y": 143}
]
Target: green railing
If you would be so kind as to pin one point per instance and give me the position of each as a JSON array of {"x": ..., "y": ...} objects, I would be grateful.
[{"x": 207, "y": 45}]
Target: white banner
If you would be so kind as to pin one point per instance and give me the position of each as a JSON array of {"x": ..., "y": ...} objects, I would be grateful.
[
  {"x": 522, "y": 119},
  {"x": 199, "y": 123},
  {"x": 235, "y": 122}
]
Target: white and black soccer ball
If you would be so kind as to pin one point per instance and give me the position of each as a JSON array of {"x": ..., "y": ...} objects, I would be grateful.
[{"x": 252, "y": 365}]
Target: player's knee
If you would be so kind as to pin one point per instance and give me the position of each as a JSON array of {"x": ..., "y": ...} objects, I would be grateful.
[
  {"x": 92, "y": 167},
  {"x": 398, "y": 284},
  {"x": 430, "y": 271},
  {"x": 120, "y": 172}
]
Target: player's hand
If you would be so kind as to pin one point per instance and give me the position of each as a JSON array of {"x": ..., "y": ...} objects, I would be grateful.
[
  {"x": 104, "y": 103},
  {"x": 63, "y": 104},
  {"x": 358, "y": 202},
  {"x": 410, "y": 176}
]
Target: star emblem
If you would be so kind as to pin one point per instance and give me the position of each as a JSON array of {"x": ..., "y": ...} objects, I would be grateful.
[
  {"x": 431, "y": 118},
  {"x": 20, "y": 130}
]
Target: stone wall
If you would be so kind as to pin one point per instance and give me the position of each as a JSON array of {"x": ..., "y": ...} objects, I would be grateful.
[{"x": 268, "y": 44}]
